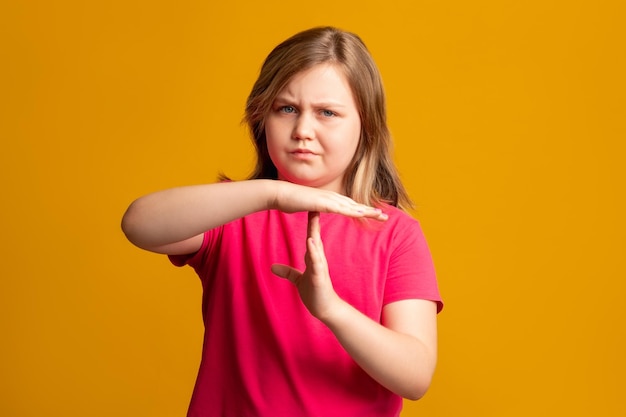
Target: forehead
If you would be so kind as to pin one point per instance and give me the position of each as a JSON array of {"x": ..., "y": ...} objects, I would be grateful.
[{"x": 319, "y": 82}]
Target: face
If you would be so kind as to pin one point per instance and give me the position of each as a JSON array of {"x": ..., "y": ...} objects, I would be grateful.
[{"x": 313, "y": 128}]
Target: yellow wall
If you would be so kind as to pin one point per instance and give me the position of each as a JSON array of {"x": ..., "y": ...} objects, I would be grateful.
[{"x": 509, "y": 121}]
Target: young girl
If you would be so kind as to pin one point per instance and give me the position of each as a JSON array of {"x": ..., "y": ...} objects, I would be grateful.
[{"x": 351, "y": 328}]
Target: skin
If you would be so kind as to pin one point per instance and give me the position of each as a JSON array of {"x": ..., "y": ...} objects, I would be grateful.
[
  {"x": 315, "y": 112},
  {"x": 314, "y": 129},
  {"x": 400, "y": 353}
]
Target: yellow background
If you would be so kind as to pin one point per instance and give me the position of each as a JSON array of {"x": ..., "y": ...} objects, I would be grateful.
[{"x": 509, "y": 125}]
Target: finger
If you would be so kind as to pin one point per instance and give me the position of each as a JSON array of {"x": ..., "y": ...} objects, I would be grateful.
[
  {"x": 318, "y": 256},
  {"x": 315, "y": 257},
  {"x": 376, "y": 214},
  {"x": 351, "y": 208},
  {"x": 287, "y": 272},
  {"x": 372, "y": 212},
  {"x": 313, "y": 226},
  {"x": 312, "y": 250},
  {"x": 315, "y": 248}
]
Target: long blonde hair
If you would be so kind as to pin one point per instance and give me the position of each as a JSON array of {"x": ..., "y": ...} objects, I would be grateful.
[{"x": 371, "y": 177}]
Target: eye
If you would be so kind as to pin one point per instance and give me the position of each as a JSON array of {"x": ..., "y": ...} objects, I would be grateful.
[
  {"x": 287, "y": 109},
  {"x": 328, "y": 113}
]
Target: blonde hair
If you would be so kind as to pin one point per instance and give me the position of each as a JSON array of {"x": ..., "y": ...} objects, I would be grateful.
[{"x": 371, "y": 178}]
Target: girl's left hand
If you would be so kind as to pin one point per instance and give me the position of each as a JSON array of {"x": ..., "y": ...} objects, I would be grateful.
[
  {"x": 314, "y": 284},
  {"x": 400, "y": 352}
]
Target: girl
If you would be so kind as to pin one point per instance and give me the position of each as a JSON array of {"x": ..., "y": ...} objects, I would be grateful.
[{"x": 351, "y": 329}]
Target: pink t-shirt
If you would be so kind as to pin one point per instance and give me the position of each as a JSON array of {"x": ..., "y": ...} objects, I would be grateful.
[{"x": 264, "y": 354}]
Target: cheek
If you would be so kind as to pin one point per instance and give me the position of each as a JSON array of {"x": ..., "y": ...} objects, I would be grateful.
[
  {"x": 353, "y": 137},
  {"x": 272, "y": 142},
  {"x": 270, "y": 136},
  {"x": 274, "y": 131},
  {"x": 269, "y": 130}
]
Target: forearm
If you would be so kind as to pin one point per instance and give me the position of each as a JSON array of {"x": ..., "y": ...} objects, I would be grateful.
[
  {"x": 402, "y": 363},
  {"x": 177, "y": 214}
]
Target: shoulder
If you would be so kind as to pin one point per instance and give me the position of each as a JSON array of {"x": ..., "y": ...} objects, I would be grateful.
[
  {"x": 400, "y": 223},
  {"x": 398, "y": 216},
  {"x": 404, "y": 235}
]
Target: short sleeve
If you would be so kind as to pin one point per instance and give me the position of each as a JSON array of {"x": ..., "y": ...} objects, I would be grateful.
[
  {"x": 196, "y": 259},
  {"x": 411, "y": 273}
]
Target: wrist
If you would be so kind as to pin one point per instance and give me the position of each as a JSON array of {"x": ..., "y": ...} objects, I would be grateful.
[
  {"x": 335, "y": 314},
  {"x": 272, "y": 192}
]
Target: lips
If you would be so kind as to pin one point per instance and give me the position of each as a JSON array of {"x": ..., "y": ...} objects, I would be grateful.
[{"x": 303, "y": 154}]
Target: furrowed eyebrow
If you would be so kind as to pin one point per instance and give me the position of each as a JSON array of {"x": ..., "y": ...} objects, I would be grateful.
[
  {"x": 319, "y": 104},
  {"x": 329, "y": 104}
]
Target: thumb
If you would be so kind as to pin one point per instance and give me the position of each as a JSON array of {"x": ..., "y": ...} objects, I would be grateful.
[{"x": 287, "y": 272}]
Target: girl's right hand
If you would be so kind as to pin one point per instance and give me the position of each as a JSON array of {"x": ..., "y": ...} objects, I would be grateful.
[
  {"x": 292, "y": 198},
  {"x": 172, "y": 221}
]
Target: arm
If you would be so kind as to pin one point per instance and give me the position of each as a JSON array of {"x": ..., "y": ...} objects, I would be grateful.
[
  {"x": 400, "y": 353},
  {"x": 173, "y": 221}
]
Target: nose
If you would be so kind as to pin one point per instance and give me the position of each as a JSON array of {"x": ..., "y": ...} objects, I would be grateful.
[{"x": 303, "y": 128}]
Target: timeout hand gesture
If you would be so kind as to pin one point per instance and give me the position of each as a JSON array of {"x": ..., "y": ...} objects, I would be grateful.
[
  {"x": 314, "y": 284},
  {"x": 290, "y": 198}
]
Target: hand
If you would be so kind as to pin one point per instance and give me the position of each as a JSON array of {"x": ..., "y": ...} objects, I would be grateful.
[
  {"x": 292, "y": 198},
  {"x": 314, "y": 284}
]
